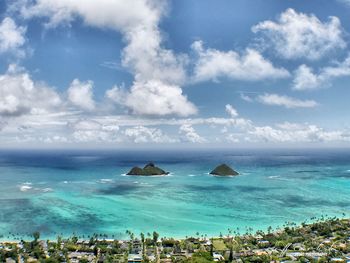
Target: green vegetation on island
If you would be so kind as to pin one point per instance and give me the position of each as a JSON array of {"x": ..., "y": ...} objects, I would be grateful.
[
  {"x": 224, "y": 170},
  {"x": 149, "y": 169}
]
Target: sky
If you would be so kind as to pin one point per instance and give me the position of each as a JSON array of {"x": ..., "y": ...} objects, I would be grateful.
[{"x": 181, "y": 73}]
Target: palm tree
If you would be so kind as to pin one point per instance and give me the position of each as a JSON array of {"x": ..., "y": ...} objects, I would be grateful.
[
  {"x": 143, "y": 243},
  {"x": 155, "y": 237},
  {"x": 36, "y": 236}
]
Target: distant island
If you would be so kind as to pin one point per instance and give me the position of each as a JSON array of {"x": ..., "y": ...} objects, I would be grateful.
[
  {"x": 224, "y": 170},
  {"x": 149, "y": 169}
]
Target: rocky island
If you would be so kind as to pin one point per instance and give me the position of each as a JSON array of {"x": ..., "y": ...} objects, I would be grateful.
[
  {"x": 224, "y": 170},
  {"x": 149, "y": 169}
]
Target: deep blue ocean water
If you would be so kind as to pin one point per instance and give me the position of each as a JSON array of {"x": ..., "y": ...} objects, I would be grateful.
[{"x": 87, "y": 192}]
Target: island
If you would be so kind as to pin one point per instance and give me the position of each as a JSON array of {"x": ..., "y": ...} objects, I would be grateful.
[
  {"x": 224, "y": 170},
  {"x": 149, "y": 169}
]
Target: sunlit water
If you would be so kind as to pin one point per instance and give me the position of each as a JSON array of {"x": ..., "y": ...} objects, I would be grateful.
[{"x": 88, "y": 192}]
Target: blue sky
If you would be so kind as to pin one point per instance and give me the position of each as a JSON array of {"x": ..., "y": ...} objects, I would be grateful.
[{"x": 149, "y": 73}]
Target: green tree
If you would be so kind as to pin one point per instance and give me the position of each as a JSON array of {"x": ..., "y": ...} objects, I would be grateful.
[
  {"x": 36, "y": 236},
  {"x": 143, "y": 243},
  {"x": 155, "y": 237},
  {"x": 230, "y": 258}
]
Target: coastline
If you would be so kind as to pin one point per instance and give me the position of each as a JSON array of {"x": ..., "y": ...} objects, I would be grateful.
[
  {"x": 200, "y": 236},
  {"x": 325, "y": 240}
]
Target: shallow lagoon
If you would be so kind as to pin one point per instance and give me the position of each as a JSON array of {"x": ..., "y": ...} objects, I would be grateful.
[{"x": 66, "y": 192}]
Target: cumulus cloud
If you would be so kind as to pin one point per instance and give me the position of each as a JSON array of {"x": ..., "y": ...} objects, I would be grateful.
[
  {"x": 157, "y": 71},
  {"x": 80, "y": 94},
  {"x": 298, "y": 133},
  {"x": 12, "y": 37},
  {"x": 231, "y": 110},
  {"x": 285, "y": 101},
  {"x": 157, "y": 98},
  {"x": 213, "y": 64},
  {"x": 233, "y": 138},
  {"x": 190, "y": 134},
  {"x": 306, "y": 79},
  {"x": 153, "y": 98},
  {"x": 298, "y": 35},
  {"x": 19, "y": 94},
  {"x": 141, "y": 134},
  {"x": 246, "y": 98},
  {"x": 116, "y": 94},
  {"x": 93, "y": 131}
]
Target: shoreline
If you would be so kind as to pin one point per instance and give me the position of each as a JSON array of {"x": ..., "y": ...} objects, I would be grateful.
[
  {"x": 201, "y": 236},
  {"x": 325, "y": 240}
]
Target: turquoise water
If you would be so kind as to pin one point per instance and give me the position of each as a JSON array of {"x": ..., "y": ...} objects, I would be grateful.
[{"x": 88, "y": 192}]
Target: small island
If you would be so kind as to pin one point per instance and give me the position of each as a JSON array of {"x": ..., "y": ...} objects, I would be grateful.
[
  {"x": 224, "y": 170},
  {"x": 149, "y": 169}
]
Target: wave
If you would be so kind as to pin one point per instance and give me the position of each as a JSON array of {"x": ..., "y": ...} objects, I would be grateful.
[
  {"x": 274, "y": 177},
  {"x": 45, "y": 190},
  {"x": 105, "y": 181},
  {"x": 25, "y": 188}
]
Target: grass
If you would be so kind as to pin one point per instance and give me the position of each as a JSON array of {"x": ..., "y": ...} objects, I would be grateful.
[{"x": 219, "y": 244}]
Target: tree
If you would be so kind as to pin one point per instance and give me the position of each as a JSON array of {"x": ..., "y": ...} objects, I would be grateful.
[
  {"x": 74, "y": 239},
  {"x": 143, "y": 242},
  {"x": 230, "y": 258},
  {"x": 155, "y": 237},
  {"x": 36, "y": 236},
  {"x": 142, "y": 237},
  {"x": 59, "y": 241}
]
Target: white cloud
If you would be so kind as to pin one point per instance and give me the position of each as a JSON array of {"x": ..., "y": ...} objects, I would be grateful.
[
  {"x": 153, "y": 98},
  {"x": 232, "y": 111},
  {"x": 141, "y": 134},
  {"x": 190, "y": 134},
  {"x": 250, "y": 66},
  {"x": 233, "y": 138},
  {"x": 19, "y": 94},
  {"x": 65, "y": 11},
  {"x": 298, "y": 133},
  {"x": 156, "y": 70},
  {"x": 117, "y": 94},
  {"x": 80, "y": 94},
  {"x": 299, "y": 35},
  {"x": 93, "y": 131},
  {"x": 246, "y": 97},
  {"x": 285, "y": 101},
  {"x": 306, "y": 79},
  {"x": 11, "y": 36}
]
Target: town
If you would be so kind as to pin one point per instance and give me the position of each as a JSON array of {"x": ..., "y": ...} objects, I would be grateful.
[{"x": 324, "y": 240}]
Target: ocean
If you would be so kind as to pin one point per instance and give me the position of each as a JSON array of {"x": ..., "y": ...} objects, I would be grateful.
[{"x": 87, "y": 192}]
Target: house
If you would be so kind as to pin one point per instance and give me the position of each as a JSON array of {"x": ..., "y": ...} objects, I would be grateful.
[
  {"x": 337, "y": 260},
  {"x": 298, "y": 246},
  {"x": 133, "y": 258},
  {"x": 218, "y": 257}
]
